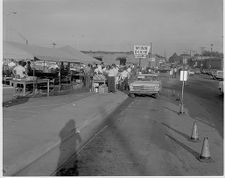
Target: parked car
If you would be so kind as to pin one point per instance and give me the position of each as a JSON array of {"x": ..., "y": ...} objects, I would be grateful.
[
  {"x": 191, "y": 72},
  {"x": 218, "y": 75},
  {"x": 221, "y": 87},
  {"x": 149, "y": 84}
]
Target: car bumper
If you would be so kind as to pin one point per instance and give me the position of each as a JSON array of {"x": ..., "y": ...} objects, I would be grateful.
[{"x": 144, "y": 92}]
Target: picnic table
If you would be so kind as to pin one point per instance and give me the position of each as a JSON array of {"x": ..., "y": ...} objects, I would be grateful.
[{"x": 26, "y": 82}]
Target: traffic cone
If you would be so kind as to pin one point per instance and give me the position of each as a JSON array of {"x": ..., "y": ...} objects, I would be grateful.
[
  {"x": 178, "y": 97},
  {"x": 205, "y": 154},
  {"x": 194, "y": 136}
]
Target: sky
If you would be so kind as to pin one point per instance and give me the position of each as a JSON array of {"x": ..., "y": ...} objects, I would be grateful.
[{"x": 116, "y": 25}]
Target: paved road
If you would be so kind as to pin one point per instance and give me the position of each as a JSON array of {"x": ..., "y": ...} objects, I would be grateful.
[{"x": 146, "y": 136}]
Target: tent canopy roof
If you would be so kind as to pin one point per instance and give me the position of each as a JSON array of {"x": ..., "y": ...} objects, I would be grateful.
[
  {"x": 78, "y": 55},
  {"x": 12, "y": 52},
  {"x": 66, "y": 54}
]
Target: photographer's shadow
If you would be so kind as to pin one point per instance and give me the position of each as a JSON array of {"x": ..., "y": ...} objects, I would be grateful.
[{"x": 70, "y": 140}]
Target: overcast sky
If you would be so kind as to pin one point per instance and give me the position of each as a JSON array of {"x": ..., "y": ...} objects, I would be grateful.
[{"x": 116, "y": 25}]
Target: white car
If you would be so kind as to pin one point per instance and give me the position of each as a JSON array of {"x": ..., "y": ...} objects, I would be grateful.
[
  {"x": 149, "y": 84},
  {"x": 191, "y": 72},
  {"x": 219, "y": 75}
]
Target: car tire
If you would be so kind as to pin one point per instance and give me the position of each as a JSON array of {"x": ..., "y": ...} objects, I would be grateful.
[
  {"x": 156, "y": 95},
  {"x": 132, "y": 95}
]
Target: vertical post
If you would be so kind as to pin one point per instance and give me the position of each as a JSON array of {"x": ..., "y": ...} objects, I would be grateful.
[
  {"x": 140, "y": 62},
  {"x": 60, "y": 77},
  {"x": 182, "y": 96},
  {"x": 44, "y": 65},
  {"x": 33, "y": 76},
  {"x": 150, "y": 56},
  {"x": 182, "y": 93}
]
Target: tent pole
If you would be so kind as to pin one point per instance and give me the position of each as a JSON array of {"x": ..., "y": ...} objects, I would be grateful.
[
  {"x": 59, "y": 77},
  {"x": 33, "y": 77},
  {"x": 44, "y": 65}
]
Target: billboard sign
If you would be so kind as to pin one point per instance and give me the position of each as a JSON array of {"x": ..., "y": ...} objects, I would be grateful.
[{"x": 141, "y": 51}]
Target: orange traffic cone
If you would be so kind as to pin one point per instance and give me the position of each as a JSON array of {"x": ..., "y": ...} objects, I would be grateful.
[
  {"x": 194, "y": 136},
  {"x": 205, "y": 154}
]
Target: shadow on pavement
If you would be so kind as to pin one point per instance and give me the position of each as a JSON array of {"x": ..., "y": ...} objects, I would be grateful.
[
  {"x": 70, "y": 138},
  {"x": 193, "y": 152},
  {"x": 204, "y": 122},
  {"x": 111, "y": 122},
  {"x": 17, "y": 101},
  {"x": 177, "y": 131}
]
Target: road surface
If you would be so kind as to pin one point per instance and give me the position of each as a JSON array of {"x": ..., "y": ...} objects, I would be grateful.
[{"x": 147, "y": 136}]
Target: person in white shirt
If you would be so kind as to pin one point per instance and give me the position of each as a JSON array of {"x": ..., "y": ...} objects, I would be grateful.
[
  {"x": 124, "y": 76},
  {"x": 116, "y": 72},
  {"x": 98, "y": 70},
  {"x": 129, "y": 69},
  {"x": 20, "y": 71},
  {"x": 11, "y": 64},
  {"x": 111, "y": 80}
]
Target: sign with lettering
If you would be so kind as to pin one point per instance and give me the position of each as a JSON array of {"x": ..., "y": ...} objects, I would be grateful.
[
  {"x": 141, "y": 51},
  {"x": 183, "y": 75}
]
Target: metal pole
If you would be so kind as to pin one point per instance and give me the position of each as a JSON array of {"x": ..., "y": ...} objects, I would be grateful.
[
  {"x": 33, "y": 77},
  {"x": 182, "y": 94},
  {"x": 59, "y": 77},
  {"x": 140, "y": 63}
]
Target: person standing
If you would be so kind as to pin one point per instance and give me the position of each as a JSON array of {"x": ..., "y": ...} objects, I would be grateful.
[
  {"x": 19, "y": 71},
  {"x": 28, "y": 68},
  {"x": 175, "y": 72},
  {"x": 116, "y": 74},
  {"x": 124, "y": 76},
  {"x": 111, "y": 80},
  {"x": 171, "y": 73}
]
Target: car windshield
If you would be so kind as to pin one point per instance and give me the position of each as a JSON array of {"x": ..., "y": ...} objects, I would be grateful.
[{"x": 147, "y": 78}]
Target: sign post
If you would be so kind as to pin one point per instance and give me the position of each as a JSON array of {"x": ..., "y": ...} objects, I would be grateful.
[
  {"x": 141, "y": 52},
  {"x": 183, "y": 78}
]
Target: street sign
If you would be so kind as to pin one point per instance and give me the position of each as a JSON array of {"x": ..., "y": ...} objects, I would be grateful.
[
  {"x": 183, "y": 75},
  {"x": 141, "y": 51}
]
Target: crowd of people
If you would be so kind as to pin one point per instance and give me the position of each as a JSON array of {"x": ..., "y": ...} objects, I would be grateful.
[
  {"x": 19, "y": 70},
  {"x": 116, "y": 76}
]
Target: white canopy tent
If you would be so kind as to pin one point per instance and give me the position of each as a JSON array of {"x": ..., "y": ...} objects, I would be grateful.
[
  {"x": 12, "y": 52},
  {"x": 83, "y": 58},
  {"x": 64, "y": 54}
]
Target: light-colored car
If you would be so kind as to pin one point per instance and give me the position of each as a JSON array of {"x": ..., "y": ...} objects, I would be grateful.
[
  {"x": 191, "y": 72},
  {"x": 219, "y": 75},
  {"x": 221, "y": 87},
  {"x": 149, "y": 84}
]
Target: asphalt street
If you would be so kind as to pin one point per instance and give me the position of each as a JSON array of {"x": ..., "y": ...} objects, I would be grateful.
[{"x": 147, "y": 137}]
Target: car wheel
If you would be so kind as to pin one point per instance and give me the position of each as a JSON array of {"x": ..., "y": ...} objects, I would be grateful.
[
  {"x": 132, "y": 95},
  {"x": 156, "y": 95}
]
